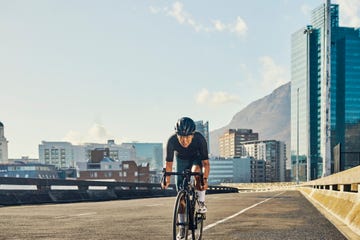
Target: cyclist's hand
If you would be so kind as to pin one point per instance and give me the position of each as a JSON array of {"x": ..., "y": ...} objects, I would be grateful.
[
  {"x": 167, "y": 183},
  {"x": 206, "y": 185}
]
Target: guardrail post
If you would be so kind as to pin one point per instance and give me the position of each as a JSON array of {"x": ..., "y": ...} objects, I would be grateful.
[
  {"x": 43, "y": 187},
  {"x": 354, "y": 187},
  {"x": 83, "y": 188}
]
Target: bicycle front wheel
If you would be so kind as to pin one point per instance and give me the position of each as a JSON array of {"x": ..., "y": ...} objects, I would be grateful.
[
  {"x": 181, "y": 217},
  {"x": 198, "y": 223}
]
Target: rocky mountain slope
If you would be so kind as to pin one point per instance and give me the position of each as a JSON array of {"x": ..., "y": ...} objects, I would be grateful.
[{"x": 269, "y": 116}]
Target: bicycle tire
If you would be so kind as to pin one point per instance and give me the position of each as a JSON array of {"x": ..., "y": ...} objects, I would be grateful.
[
  {"x": 197, "y": 220},
  {"x": 177, "y": 209}
]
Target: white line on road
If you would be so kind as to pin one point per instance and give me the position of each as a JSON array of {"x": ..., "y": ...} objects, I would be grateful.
[
  {"x": 84, "y": 214},
  {"x": 154, "y": 205},
  {"x": 238, "y": 213},
  {"x": 75, "y": 215}
]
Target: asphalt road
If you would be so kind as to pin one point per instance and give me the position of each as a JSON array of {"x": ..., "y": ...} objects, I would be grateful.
[{"x": 265, "y": 215}]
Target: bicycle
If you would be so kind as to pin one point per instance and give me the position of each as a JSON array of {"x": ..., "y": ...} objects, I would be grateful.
[{"x": 187, "y": 200}]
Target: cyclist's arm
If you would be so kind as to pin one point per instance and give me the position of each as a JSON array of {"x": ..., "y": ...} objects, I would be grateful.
[
  {"x": 169, "y": 160},
  {"x": 168, "y": 167},
  {"x": 206, "y": 172},
  {"x": 204, "y": 154}
]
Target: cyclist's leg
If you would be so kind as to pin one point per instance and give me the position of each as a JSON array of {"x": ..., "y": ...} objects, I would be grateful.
[
  {"x": 181, "y": 165},
  {"x": 197, "y": 166}
]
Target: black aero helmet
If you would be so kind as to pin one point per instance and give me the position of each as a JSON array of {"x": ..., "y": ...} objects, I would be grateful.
[{"x": 185, "y": 126}]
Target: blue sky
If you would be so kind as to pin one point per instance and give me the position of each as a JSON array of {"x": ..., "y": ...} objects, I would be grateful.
[{"x": 88, "y": 71}]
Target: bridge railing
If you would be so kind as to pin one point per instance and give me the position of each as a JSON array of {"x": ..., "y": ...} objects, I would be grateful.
[
  {"x": 346, "y": 181},
  {"x": 339, "y": 195},
  {"x": 15, "y": 191}
]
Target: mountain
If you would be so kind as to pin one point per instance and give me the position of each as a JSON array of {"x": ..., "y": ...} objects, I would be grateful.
[{"x": 268, "y": 116}]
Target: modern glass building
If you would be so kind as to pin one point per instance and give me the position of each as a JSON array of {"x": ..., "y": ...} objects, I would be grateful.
[
  {"x": 325, "y": 96},
  {"x": 148, "y": 153},
  {"x": 203, "y": 128}
]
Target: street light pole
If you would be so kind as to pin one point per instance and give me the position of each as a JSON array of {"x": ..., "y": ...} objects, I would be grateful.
[
  {"x": 308, "y": 30},
  {"x": 297, "y": 137}
]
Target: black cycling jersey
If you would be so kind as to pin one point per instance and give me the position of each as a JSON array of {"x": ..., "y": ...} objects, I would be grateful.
[{"x": 197, "y": 150}]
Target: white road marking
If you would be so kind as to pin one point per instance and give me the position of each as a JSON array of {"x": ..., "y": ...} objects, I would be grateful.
[
  {"x": 84, "y": 214},
  {"x": 75, "y": 215},
  {"x": 238, "y": 213},
  {"x": 154, "y": 205}
]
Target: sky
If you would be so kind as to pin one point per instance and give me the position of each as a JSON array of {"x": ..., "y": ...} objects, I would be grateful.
[{"x": 92, "y": 70}]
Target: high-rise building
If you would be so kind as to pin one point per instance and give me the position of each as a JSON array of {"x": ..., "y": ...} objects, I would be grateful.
[
  {"x": 273, "y": 153},
  {"x": 230, "y": 142},
  {"x": 118, "y": 152},
  {"x": 222, "y": 170},
  {"x": 325, "y": 93},
  {"x": 59, "y": 154},
  {"x": 3, "y": 145},
  {"x": 239, "y": 170},
  {"x": 151, "y": 153},
  {"x": 66, "y": 155},
  {"x": 203, "y": 128}
]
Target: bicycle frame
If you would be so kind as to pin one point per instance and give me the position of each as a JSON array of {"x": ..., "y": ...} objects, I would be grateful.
[{"x": 186, "y": 200}]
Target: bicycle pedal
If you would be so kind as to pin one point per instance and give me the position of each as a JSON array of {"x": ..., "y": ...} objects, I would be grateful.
[{"x": 201, "y": 216}]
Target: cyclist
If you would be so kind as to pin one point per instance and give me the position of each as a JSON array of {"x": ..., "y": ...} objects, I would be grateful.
[{"x": 191, "y": 152}]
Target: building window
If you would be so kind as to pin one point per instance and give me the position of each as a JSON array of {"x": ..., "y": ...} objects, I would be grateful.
[{"x": 126, "y": 166}]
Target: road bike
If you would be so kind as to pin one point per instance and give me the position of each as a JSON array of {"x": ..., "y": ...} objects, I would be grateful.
[{"x": 187, "y": 203}]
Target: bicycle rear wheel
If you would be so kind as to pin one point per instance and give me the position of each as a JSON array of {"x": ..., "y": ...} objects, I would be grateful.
[
  {"x": 198, "y": 223},
  {"x": 181, "y": 224}
]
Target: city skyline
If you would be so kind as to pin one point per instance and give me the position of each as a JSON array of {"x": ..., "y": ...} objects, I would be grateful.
[
  {"x": 92, "y": 71},
  {"x": 324, "y": 95}
]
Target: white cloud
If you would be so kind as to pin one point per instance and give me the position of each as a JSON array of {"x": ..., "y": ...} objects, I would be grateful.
[
  {"x": 154, "y": 10},
  {"x": 97, "y": 133},
  {"x": 219, "y": 26},
  {"x": 247, "y": 76},
  {"x": 306, "y": 9},
  {"x": 239, "y": 27},
  {"x": 349, "y": 13},
  {"x": 178, "y": 13},
  {"x": 184, "y": 18},
  {"x": 273, "y": 75},
  {"x": 215, "y": 98},
  {"x": 73, "y": 137}
]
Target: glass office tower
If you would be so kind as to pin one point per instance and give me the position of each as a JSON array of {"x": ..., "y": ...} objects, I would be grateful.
[{"x": 325, "y": 96}]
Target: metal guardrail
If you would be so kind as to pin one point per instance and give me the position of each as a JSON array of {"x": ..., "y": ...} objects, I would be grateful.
[{"x": 15, "y": 191}]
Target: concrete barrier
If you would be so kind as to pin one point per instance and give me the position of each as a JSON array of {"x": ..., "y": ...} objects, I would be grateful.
[
  {"x": 261, "y": 187},
  {"x": 339, "y": 195},
  {"x": 18, "y": 191}
]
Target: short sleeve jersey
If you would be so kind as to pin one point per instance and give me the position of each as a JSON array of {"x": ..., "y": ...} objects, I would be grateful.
[{"x": 197, "y": 150}]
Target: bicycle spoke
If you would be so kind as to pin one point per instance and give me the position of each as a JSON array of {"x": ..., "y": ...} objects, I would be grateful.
[
  {"x": 198, "y": 222},
  {"x": 181, "y": 217}
]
